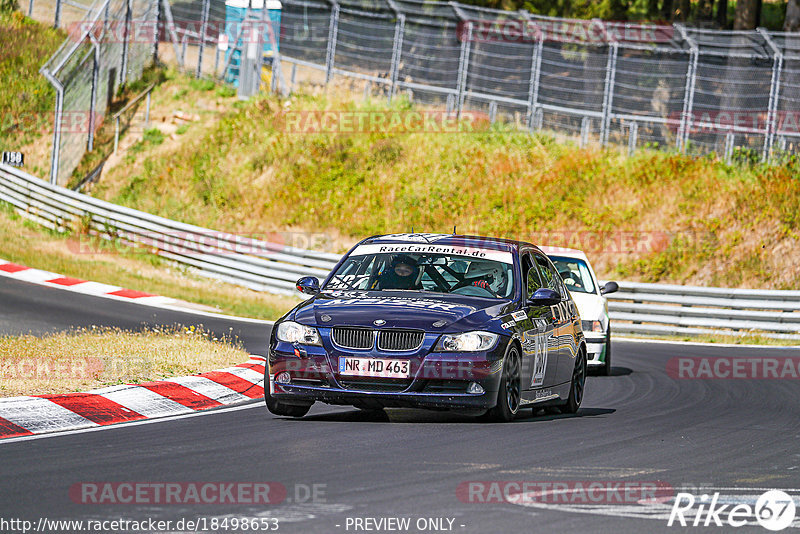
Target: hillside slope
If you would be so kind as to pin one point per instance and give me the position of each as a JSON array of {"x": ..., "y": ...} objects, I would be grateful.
[{"x": 653, "y": 217}]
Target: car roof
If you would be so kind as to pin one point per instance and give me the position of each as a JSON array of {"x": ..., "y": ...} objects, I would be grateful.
[
  {"x": 564, "y": 252},
  {"x": 493, "y": 243}
]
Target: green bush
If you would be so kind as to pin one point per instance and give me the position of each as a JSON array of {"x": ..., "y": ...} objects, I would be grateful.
[{"x": 7, "y": 6}]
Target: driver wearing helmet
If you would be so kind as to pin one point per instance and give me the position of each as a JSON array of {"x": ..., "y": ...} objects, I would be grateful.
[
  {"x": 401, "y": 273},
  {"x": 489, "y": 276}
]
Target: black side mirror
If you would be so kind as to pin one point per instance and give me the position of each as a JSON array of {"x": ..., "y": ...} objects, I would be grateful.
[
  {"x": 545, "y": 297},
  {"x": 308, "y": 285},
  {"x": 610, "y": 287}
]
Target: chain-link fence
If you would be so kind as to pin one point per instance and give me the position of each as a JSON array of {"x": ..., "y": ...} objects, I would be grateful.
[
  {"x": 671, "y": 87},
  {"x": 734, "y": 93},
  {"x": 111, "y": 45}
]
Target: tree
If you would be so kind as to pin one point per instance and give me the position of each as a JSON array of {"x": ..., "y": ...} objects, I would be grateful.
[
  {"x": 792, "y": 22},
  {"x": 722, "y": 13},
  {"x": 748, "y": 15}
]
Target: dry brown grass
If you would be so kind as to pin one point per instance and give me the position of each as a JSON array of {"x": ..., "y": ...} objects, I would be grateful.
[{"x": 85, "y": 359}]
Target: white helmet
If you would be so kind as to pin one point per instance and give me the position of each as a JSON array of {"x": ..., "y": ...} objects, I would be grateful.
[{"x": 492, "y": 271}]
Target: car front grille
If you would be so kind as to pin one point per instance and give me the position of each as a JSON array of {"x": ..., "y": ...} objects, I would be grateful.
[
  {"x": 397, "y": 340},
  {"x": 388, "y": 340},
  {"x": 353, "y": 338},
  {"x": 382, "y": 385}
]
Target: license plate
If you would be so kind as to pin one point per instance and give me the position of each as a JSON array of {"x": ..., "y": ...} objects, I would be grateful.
[{"x": 376, "y": 367}]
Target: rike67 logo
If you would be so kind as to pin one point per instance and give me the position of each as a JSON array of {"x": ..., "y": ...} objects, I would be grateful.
[{"x": 774, "y": 510}]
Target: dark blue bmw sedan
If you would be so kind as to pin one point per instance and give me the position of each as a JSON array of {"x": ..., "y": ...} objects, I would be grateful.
[{"x": 474, "y": 324}]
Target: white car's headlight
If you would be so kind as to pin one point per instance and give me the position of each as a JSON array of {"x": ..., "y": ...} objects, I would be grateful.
[
  {"x": 592, "y": 326},
  {"x": 467, "y": 342},
  {"x": 292, "y": 332}
]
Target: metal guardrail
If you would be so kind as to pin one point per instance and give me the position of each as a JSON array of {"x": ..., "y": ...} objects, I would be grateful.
[
  {"x": 129, "y": 105},
  {"x": 637, "y": 308},
  {"x": 255, "y": 264},
  {"x": 640, "y": 308}
]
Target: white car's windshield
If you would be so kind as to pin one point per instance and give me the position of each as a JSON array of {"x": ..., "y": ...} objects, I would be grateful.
[
  {"x": 575, "y": 273},
  {"x": 440, "y": 273}
]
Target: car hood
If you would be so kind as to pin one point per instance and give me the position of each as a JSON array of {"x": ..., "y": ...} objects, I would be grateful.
[
  {"x": 413, "y": 310},
  {"x": 591, "y": 307}
]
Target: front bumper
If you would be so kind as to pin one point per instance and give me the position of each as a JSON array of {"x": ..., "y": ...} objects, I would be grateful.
[
  {"x": 438, "y": 380},
  {"x": 595, "y": 349}
]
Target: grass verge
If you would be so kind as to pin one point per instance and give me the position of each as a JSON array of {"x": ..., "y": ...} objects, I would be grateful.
[
  {"x": 24, "y": 242},
  {"x": 84, "y": 359},
  {"x": 26, "y": 98}
]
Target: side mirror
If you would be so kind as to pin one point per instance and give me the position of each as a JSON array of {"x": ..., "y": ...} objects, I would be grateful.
[
  {"x": 545, "y": 297},
  {"x": 610, "y": 287},
  {"x": 308, "y": 285}
]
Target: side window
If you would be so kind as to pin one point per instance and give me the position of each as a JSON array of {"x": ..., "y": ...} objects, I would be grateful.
[
  {"x": 531, "y": 275},
  {"x": 550, "y": 276}
]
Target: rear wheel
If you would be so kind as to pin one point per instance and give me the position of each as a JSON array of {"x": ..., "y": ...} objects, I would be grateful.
[
  {"x": 577, "y": 385},
  {"x": 509, "y": 392}
]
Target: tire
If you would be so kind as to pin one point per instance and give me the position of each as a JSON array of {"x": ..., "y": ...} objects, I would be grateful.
[
  {"x": 283, "y": 409},
  {"x": 577, "y": 385},
  {"x": 606, "y": 369},
  {"x": 509, "y": 393}
]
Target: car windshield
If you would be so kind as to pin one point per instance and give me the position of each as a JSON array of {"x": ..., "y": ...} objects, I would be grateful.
[
  {"x": 575, "y": 273},
  {"x": 430, "y": 272}
]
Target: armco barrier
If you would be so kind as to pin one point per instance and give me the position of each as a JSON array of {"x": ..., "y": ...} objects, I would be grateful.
[
  {"x": 265, "y": 267},
  {"x": 637, "y": 308},
  {"x": 669, "y": 309}
]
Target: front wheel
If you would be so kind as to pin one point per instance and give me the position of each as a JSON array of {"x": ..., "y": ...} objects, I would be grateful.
[
  {"x": 283, "y": 409},
  {"x": 606, "y": 369},
  {"x": 509, "y": 392},
  {"x": 577, "y": 385}
]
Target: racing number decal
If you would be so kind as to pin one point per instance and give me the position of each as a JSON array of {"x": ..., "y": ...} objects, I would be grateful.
[
  {"x": 540, "y": 359},
  {"x": 538, "y": 339}
]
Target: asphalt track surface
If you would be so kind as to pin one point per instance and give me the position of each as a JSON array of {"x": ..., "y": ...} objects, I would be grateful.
[{"x": 637, "y": 425}]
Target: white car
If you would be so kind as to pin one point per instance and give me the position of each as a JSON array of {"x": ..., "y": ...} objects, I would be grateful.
[{"x": 579, "y": 277}]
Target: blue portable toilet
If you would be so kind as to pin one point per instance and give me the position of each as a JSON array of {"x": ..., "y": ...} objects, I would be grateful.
[{"x": 235, "y": 12}]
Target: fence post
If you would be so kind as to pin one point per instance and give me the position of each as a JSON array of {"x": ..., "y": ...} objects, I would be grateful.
[
  {"x": 203, "y": 30},
  {"x": 57, "y": 19},
  {"x": 30, "y": 9},
  {"x": 397, "y": 51},
  {"x": 173, "y": 34},
  {"x": 688, "y": 92},
  {"x": 463, "y": 68},
  {"x": 95, "y": 81},
  {"x": 774, "y": 95},
  {"x": 157, "y": 31},
  {"x": 126, "y": 39},
  {"x": 536, "y": 74},
  {"x": 333, "y": 31},
  {"x": 59, "y": 112},
  {"x": 608, "y": 91},
  {"x": 586, "y": 126},
  {"x": 633, "y": 135},
  {"x": 730, "y": 139}
]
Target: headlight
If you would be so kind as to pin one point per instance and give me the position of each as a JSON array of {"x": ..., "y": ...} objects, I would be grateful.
[
  {"x": 592, "y": 326},
  {"x": 467, "y": 342},
  {"x": 292, "y": 332}
]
